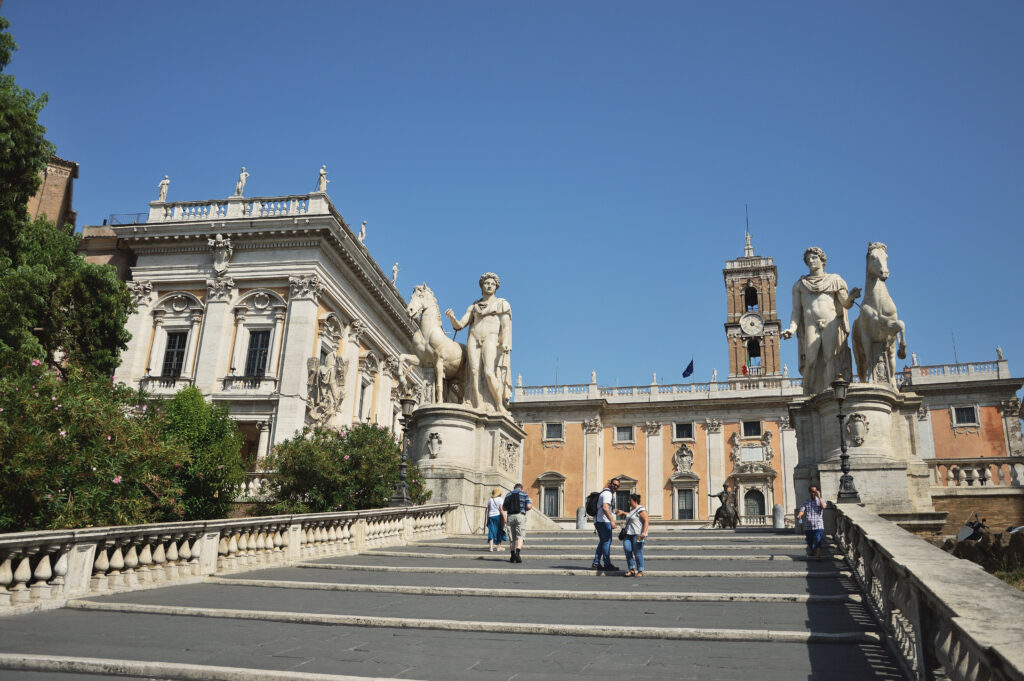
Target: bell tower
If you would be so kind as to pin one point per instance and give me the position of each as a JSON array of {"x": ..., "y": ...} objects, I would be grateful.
[{"x": 752, "y": 325}]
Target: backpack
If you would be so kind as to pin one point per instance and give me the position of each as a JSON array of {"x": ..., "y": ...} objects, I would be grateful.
[
  {"x": 512, "y": 503},
  {"x": 592, "y": 500}
]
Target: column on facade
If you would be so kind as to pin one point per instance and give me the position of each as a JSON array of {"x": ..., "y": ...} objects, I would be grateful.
[
  {"x": 263, "y": 446},
  {"x": 385, "y": 403},
  {"x": 716, "y": 460},
  {"x": 212, "y": 359},
  {"x": 158, "y": 321},
  {"x": 195, "y": 319},
  {"x": 237, "y": 348},
  {"x": 299, "y": 334},
  {"x": 140, "y": 325},
  {"x": 654, "y": 496}
]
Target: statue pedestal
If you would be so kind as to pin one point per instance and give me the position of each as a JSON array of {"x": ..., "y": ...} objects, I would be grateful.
[
  {"x": 463, "y": 454},
  {"x": 883, "y": 445}
]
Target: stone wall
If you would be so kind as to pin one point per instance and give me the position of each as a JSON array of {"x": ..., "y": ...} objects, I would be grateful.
[{"x": 1001, "y": 511}]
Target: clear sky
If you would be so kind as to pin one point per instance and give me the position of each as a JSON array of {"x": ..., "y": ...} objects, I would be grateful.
[{"x": 596, "y": 155}]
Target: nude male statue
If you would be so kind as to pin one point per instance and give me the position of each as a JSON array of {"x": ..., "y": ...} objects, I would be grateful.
[
  {"x": 820, "y": 302},
  {"x": 488, "y": 346}
]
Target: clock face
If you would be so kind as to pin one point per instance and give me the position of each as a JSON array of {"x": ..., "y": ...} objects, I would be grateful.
[{"x": 751, "y": 324}]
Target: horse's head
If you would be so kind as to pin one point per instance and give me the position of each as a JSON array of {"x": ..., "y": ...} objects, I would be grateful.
[
  {"x": 422, "y": 296},
  {"x": 878, "y": 260}
]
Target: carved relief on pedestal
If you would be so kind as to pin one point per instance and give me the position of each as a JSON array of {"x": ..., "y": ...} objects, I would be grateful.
[
  {"x": 592, "y": 425},
  {"x": 856, "y": 429},
  {"x": 508, "y": 454},
  {"x": 140, "y": 291},
  {"x": 219, "y": 289},
  {"x": 434, "y": 444}
]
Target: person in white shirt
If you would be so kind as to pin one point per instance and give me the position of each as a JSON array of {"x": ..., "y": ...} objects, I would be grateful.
[
  {"x": 495, "y": 521},
  {"x": 604, "y": 523}
]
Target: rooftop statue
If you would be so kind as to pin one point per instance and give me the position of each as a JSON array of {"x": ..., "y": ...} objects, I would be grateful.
[
  {"x": 488, "y": 347},
  {"x": 321, "y": 182},
  {"x": 164, "y": 183},
  {"x": 820, "y": 322},
  {"x": 877, "y": 327},
  {"x": 240, "y": 185},
  {"x": 362, "y": 232}
]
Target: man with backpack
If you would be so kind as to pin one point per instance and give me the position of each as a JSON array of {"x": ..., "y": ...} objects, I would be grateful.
[
  {"x": 604, "y": 523},
  {"x": 516, "y": 504}
]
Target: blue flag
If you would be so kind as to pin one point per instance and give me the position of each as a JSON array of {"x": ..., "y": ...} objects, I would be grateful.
[{"x": 688, "y": 371}]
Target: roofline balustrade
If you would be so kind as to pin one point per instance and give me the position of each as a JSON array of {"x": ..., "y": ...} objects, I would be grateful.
[{"x": 658, "y": 392}]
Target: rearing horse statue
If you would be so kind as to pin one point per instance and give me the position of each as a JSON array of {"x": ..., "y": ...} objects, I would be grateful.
[
  {"x": 434, "y": 348},
  {"x": 877, "y": 327}
]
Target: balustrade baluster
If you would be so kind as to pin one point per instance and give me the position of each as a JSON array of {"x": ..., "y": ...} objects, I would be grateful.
[
  {"x": 278, "y": 540},
  {"x": 6, "y": 577},
  {"x": 261, "y": 546},
  {"x": 986, "y": 477},
  {"x": 22, "y": 574},
  {"x": 60, "y": 567},
  {"x": 243, "y": 549},
  {"x": 1014, "y": 475},
  {"x": 144, "y": 571},
  {"x": 961, "y": 476},
  {"x": 172, "y": 558},
  {"x": 194, "y": 540},
  {"x": 232, "y": 560},
  {"x": 131, "y": 561},
  {"x": 99, "y": 581},
  {"x": 159, "y": 572},
  {"x": 116, "y": 566},
  {"x": 40, "y": 589}
]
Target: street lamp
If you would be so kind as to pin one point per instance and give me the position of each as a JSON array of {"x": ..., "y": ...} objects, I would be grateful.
[
  {"x": 847, "y": 490},
  {"x": 401, "y": 496}
]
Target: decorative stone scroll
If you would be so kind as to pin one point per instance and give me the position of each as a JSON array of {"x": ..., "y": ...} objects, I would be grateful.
[
  {"x": 713, "y": 426},
  {"x": 592, "y": 425},
  {"x": 219, "y": 289},
  {"x": 356, "y": 330},
  {"x": 308, "y": 287}
]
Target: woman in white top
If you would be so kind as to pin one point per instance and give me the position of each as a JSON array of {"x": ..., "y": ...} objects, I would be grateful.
[
  {"x": 637, "y": 524},
  {"x": 495, "y": 521}
]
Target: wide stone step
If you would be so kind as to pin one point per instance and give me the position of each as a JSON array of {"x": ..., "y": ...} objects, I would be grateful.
[{"x": 431, "y": 654}]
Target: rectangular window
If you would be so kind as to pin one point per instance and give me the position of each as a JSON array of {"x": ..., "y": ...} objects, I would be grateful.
[
  {"x": 751, "y": 429},
  {"x": 622, "y": 500},
  {"x": 965, "y": 416},
  {"x": 551, "y": 502},
  {"x": 683, "y": 431},
  {"x": 623, "y": 433},
  {"x": 256, "y": 358},
  {"x": 553, "y": 431},
  {"x": 684, "y": 504},
  {"x": 174, "y": 354}
]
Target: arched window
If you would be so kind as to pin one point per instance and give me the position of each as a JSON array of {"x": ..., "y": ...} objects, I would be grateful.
[
  {"x": 753, "y": 503},
  {"x": 750, "y": 299},
  {"x": 754, "y": 352}
]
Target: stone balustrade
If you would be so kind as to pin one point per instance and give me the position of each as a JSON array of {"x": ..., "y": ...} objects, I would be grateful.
[
  {"x": 164, "y": 385},
  {"x": 944, "y": 618},
  {"x": 41, "y": 570},
  {"x": 293, "y": 205},
  {"x": 976, "y": 473},
  {"x": 253, "y": 488},
  {"x": 656, "y": 392},
  {"x": 954, "y": 373}
]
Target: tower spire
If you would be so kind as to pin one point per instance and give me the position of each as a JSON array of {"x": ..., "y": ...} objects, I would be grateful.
[{"x": 748, "y": 249}]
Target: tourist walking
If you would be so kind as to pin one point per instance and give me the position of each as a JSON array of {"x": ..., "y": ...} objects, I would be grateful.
[
  {"x": 495, "y": 521},
  {"x": 812, "y": 511},
  {"x": 604, "y": 522},
  {"x": 516, "y": 504},
  {"x": 637, "y": 523}
]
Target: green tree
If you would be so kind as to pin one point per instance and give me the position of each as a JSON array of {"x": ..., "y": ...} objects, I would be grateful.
[
  {"x": 54, "y": 306},
  {"x": 325, "y": 469},
  {"x": 213, "y": 469}
]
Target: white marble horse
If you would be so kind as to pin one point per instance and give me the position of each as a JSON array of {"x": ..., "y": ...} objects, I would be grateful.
[
  {"x": 877, "y": 327},
  {"x": 434, "y": 349}
]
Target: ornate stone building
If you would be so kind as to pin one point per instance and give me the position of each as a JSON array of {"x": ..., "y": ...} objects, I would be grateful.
[
  {"x": 270, "y": 305},
  {"x": 677, "y": 444}
]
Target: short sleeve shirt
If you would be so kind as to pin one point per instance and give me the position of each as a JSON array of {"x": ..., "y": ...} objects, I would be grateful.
[
  {"x": 813, "y": 515},
  {"x": 606, "y": 498}
]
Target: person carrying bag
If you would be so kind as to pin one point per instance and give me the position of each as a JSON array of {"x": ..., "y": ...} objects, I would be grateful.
[{"x": 633, "y": 535}]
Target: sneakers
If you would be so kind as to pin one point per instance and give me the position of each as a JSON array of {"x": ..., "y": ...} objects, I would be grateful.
[{"x": 595, "y": 566}]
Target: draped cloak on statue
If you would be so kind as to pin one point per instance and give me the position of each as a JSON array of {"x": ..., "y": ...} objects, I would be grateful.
[{"x": 832, "y": 284}]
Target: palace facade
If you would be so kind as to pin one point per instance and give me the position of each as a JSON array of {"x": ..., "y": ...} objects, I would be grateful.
[{"x": 678, "y": 444}]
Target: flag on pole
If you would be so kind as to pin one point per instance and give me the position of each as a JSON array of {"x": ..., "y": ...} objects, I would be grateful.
[
  {"x": 688, "y": 371},
  {"x": 745, "y": 370}
]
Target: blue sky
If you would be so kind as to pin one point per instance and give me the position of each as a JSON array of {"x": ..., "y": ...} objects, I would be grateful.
[{"x": 597, "y": 155}]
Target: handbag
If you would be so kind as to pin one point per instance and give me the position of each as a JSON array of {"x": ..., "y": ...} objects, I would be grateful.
[{"x": 622, "y": 534}]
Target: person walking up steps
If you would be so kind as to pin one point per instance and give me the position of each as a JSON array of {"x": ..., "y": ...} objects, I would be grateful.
[
  {"x": 638, "y": 522},
  {"x": 495, "y": 519},
  {"x": 604, "y": 523},
  {"x": 516, "y": 504}
]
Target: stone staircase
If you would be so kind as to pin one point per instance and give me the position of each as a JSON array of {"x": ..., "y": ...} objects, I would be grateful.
[{"x": 714, "y": 604}]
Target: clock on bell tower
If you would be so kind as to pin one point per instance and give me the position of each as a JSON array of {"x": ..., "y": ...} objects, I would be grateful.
[{"x": 752, "y": 325}]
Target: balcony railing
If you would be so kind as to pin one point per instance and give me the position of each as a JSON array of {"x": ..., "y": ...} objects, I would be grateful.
[
  {"x": 976, "y": 473},
  {"x": 655, "y": 392},
  {"x": 164, "y": 385},
  {"x": 257, "y": 384}
]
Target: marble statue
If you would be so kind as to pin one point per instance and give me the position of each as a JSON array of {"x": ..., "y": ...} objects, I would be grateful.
[
  {"x": 434, "y": 349},
  {"x": 726, "y": 515},
  {"x": 714, "y": 375},
  {"x": 519, "y": 380},
  {"x": 240, "y": 185},
  {"x": 164, "y": 184},
  {"x": 321, "y": 182},
  {"x": 734, "y": 454},
  {"x": 488, "y": 347},
  {"x": 913, "y": 358},
  {"x": 593, "y": 377},
  {"x": 999, "y": 352},
  {"x": 222, "y": 250},
  {"x": 877, "y": 327},
  {"x": 362, "y": 232},
  {"x": 820, "y": 322},
  {"x": 395, "y": 269},
  {"x": 766, "y": 447},
  {"x": 325, "y": 381},
  {"x": 785, "y": 371},
  {"x": 654, "y": 378}
]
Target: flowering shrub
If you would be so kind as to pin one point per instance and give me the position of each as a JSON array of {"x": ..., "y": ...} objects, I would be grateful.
[
  {"x": 325, "y": 469},
  {"x": 70, "y": 456}
]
